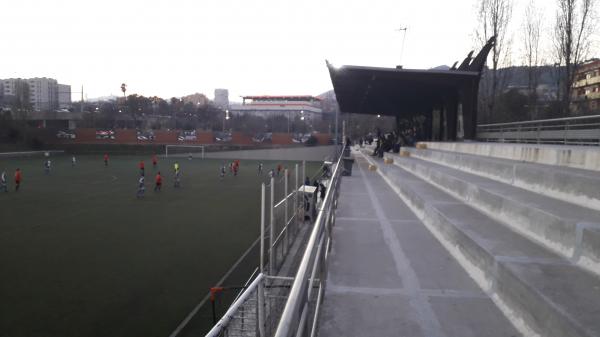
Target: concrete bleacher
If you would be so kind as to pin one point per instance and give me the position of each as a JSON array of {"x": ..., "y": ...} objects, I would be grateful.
[
  {"x": 522, "y": 220},
  {"x": 584, "y": 157}
]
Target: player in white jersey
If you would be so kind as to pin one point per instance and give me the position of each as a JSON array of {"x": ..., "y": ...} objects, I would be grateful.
[
  {"x": 3, "y": 183},
  {"x": 141, "y": 188}
]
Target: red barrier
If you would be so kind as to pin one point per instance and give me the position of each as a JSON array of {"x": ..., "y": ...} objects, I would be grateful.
[
  {"x": 241, "y": 138},
  {"x": 323, "y": 138},
  {"x": 282, "y": 139},
  {"x": 85, "y": 135},
  {"x": 204, "y": 137},
  {"x": 166, "y": 137},
  {"x": 126, "y": 136}
]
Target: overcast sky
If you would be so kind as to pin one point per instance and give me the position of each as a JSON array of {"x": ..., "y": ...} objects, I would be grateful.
[{"x": 178, "y": 47}]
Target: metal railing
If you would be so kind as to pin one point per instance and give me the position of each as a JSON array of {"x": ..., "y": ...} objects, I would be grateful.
[
  {"x": 301, "y": 313},
  {"x": 255, "y": 311},
  {"x": 584, "y": 130},
  {"x": 271, "y": 305},
  {"x": 257, "y": 308}
]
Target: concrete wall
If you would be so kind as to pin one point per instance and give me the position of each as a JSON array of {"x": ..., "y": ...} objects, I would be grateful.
[{"x": 313, "y": 153}]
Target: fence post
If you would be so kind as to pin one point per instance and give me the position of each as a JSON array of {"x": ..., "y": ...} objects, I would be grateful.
[
  {"x": 303, "y": 191},
  {"x": 261, "y": 307},
  {"x": 272, "y": 229},
  {"x": 566, "y": 130},
  {"x": 296, "y": 199},
  {"x": 262, "y": 227},
  {"x": 285, "y": 189}
]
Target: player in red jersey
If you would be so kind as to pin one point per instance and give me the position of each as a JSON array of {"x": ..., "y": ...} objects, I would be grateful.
[
  {"x": 158, "y": 182},
  {"x": 141, "y": 165},
  {"x": 18, "y": 178}
]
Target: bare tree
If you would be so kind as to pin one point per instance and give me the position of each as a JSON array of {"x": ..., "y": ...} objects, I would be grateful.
[
  {"x": 494, "y": 17},
  {"x": 532, "y": 27},
  {"x": 575, "y": 23}
]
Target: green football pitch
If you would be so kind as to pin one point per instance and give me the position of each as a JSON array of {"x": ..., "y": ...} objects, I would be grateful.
[{"x": 81, "y": 256}]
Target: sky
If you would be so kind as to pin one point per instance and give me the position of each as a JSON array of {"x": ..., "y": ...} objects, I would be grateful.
[{"x": 251, "y": 47}]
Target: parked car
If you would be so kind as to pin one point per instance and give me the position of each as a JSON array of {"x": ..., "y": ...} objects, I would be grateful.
[
  {"x": 65, "y": 134},
  {"x": 262, "y": 137},
  {"x": 145, "y": 135},
  {"x": 301, "y": 138},
  {"x": 223, "y": 137},
  {"x": 187, "y": 135},
  {"x": 105, "y": 134}
]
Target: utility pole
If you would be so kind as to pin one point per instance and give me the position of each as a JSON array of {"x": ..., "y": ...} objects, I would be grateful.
[{"x": 81, "y": 105}]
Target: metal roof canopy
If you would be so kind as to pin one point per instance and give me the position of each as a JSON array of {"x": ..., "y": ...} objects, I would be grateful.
[
  {"x": 388, "y": 91},
  {"x": 408, "y": 92}
]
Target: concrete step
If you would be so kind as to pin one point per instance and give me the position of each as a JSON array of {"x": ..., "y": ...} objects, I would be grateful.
[
  {"x": 583, "y": 157},
  {"x": 389, "y": 276},
  {"x": 559, "y": 225},
  {"x": 577, "y": 186},
  {"x": 540, "y": 291}
]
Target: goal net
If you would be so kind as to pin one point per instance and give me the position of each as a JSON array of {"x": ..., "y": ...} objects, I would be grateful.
[{"x": 195, "y": 151}]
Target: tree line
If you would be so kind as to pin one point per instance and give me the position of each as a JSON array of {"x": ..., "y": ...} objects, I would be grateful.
[{"x": 563, "y": 42}]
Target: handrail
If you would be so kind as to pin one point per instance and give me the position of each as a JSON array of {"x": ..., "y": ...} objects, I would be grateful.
[
  {"x": 297, "y": 297},
  {"x": 564, "y": 119}
]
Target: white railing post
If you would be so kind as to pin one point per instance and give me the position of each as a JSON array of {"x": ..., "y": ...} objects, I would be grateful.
[
  {"x": 303, "y": 191},
  {"x": 262, "y": 227},
  {"x": 261, "y": 307},
  {"x": 285, "y": 189},
  {"x": 272, "y": 229},
  {"x": 296, "y": 199}
]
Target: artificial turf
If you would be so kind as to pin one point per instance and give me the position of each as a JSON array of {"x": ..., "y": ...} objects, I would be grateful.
[{"x": 81, "y": 256}]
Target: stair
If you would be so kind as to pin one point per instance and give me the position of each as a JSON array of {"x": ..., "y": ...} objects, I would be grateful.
[
  {"x": 573, "y": 185},
  {"x": 534, "y": 250}
]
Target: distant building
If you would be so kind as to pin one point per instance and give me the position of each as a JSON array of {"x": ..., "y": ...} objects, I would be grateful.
[
  {"x": 289, "y": 106},
  {"x": 43, "y": 92},
  {"x": 221, "y": 98},
  {"x": 196, "y": 99},
  {"x": 64, "y": 96},
  {"x": 586, "y": 88}
]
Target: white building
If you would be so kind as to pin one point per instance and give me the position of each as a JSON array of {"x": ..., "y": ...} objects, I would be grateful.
[
  {"x": 43, "y": 92},
  {"x": 222, "y": 98},
  {"x": 289, "y": 106},
  {"x": 64, "y": 96}
]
